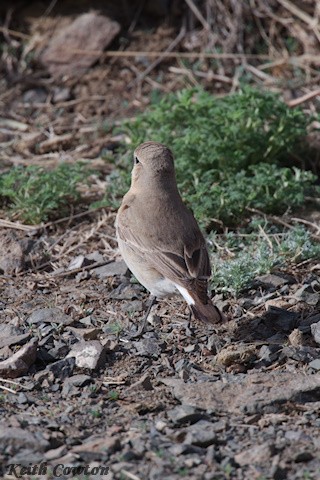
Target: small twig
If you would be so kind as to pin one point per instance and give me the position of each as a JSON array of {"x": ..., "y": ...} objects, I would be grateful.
[
  {"x": 305, "y": 98},
  {"x": 17, "y": 226},
  {"x": 263, "y": 233},
  {"x": 130, "y": 475},
  {"x": 161, "y": 57},
  {"x": 7, "y": 389},
  {"x": 198, "y": 14},
  {"x": 302, "y": 15},
  {"x": 279, "y": 221},
  {"x": 82, "y": 269},
  {"x": 306, "y": 222}
]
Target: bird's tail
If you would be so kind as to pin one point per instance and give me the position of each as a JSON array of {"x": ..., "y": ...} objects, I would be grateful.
[{"x": 207, "y": 312}]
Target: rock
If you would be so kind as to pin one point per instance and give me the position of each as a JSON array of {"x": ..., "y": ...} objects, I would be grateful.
[
  {"x": 236, "y": 354},
  {"x": 76, "y": 262},
  {"x": 304, "y": 323},
  {"x": 131, "y": 307},
  {"x": 184, "y": 414},
  {"x": 275, "y": 281},
  {"x": 307, "y": 295},
  {"x": 148, "y": 347},
  {"x": 11, "y": 253},
  {"x": 283, "y": 319},
  {"x": 203, "y": 433},
  {"x": 71, "y": 383},
  {"x": 248, "y": 393},
  {"x": 111, "y": 269},
  {"x": 315, "y": 364},
  {"x": 256, "y": 454},
  {"x": 85, "y": 260},
  {"x": 35, "y": 95},
  {"x": 17, "y": 439},
  {"x": 63, "y": 368},
  {"x": 304, "y": 456},
  {"x": 89, "y": 354},
  {"x": 143, "y": 384},
  {"x": 300, "y": 354},
  {"x": 296, "y": 338},
  {"x": 85, "y": 333},
  {"x": 126, "y": 292},
  {"x": 61, "y": 94},
  {"x": 89, "y": 31},
  {"x": 315, "y": 332},
  {"x": 14, "y": 340},
  {"x": 19, "y": 363},
  {"x": 269, "y": 353},
  {"x": 50, "y": 315},
  {"x": 55, "y": 453},
  {"x": 98, "y": 445},
  {"x": 79, "y": 380},
  {"x": 160, "y": 425}
]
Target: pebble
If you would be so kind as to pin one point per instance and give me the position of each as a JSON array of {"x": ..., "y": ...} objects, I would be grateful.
[
  {"x": 48, "y": 315},
  {"x": 315, "y": 332},
  {"x": 111, "y": 270},
  {"x": 184, "y": 414},
  {"x": 89, "y": 354}
]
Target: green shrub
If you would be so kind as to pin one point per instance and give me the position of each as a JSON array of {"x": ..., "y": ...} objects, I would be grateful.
[
  {"x": 33, "y": 194},
  {"x": 231, "y": 153},
  {"x": 242, "y": 257}
]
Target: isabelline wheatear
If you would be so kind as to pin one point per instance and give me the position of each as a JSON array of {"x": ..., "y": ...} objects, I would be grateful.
[{"x": 158, "y": 236}]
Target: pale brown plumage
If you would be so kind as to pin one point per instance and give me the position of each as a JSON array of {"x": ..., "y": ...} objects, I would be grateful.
[{"x": 159, "y": 237}]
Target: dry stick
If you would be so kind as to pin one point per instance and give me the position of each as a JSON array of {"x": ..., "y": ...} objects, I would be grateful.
[
  {"x": 130, "y": 475},
  {"x": 198, "y": 14},
  {"x": 21, "y": 226},
  {"x": 82, "y": 269},
  {"x": 304, "y": 98},
  {"x": 302, "y": 15},
  {"x": 154, "y": 64},
  {"x": 306, "y": 222},
  {"x": 279, "y": 221}
]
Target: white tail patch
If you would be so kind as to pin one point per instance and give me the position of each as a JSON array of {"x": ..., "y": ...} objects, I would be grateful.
[{"x": 186, "y": 295}]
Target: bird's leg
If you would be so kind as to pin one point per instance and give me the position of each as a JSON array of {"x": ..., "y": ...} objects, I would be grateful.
[{"x": 140, "y": 331}]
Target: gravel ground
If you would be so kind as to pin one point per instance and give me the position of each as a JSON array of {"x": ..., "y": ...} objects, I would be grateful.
[{"x": 239, "y": 401}]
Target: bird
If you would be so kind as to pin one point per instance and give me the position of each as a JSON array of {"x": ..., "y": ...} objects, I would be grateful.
[{"x": 158, "y": 236}]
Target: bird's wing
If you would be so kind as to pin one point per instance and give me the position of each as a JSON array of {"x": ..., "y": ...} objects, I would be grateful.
[{"x": 187, "y": 264}]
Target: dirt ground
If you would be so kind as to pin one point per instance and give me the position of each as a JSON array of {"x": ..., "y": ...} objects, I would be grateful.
[{"x": 80, "y": 389}]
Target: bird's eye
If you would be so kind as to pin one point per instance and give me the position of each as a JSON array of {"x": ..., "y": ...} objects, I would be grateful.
[{"x": 136, "y": 160}]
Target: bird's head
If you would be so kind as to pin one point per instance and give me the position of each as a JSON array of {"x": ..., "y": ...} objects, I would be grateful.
[{"x": 152, "y": 161}]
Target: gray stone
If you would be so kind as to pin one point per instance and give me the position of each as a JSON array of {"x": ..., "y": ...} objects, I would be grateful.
[
  {"x": 17, "y": 439},
  {"x": 89, "y": 354},
  {"x": 11, "y": 253},
  {"x": 14, "y": 340},
  {"x": 79, "y": 380},
  {"x": 63, "y": 368},
  {"x": 315, "y": 332},
  {"x": 184, "y": 414},
  {"x": 255, "y": 455},
  {"x": 203, "y": 433},
  {"x": 111, "y": 269},
  {"x": 252, "y": 393},
  {"x": 307, "y": 295},
  {"x": 19, "y": 363},
  {"x": 76, "y": 262},
  {"x": 282, "y": 318},
  {"x": 50, "y": 315},
  {"x": 89, "y": 30},
  {"x": 269, "y": 352},
  {"x": 148, "y": 347},
  {"x": 143, "y": 384},
  {"x": 315, "y": 364},
  {"x": 272, "y": 280}
]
